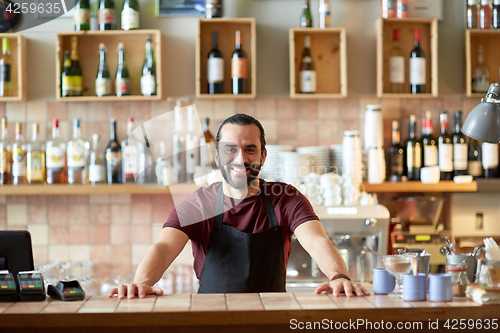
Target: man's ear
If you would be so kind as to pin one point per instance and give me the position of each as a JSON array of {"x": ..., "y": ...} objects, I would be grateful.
[
  {"x": 216, "y": 157},
  {"x": 264, "y": 156}
]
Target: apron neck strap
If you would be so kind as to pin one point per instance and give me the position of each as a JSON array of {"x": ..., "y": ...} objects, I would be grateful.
[{"x": 219, "y": 206}]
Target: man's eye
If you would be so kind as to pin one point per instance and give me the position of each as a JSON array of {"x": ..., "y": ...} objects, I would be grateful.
[
  {"x": 231, "y": 150},
  {"x": 251, "y": 150}
]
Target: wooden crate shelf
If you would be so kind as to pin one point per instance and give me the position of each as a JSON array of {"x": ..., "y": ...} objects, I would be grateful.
[
  {"x": 67, "y": 189},
  {"x": 18, "y": 52},
  {"x": 429, "y": 44},
  {"x": 88, "y": 45},
  {"x": 490, "y": 40},
  {"x": 226, "y": 28},
  {"x": 417, "y": 186},
  {"x": 328, "y": 50}
]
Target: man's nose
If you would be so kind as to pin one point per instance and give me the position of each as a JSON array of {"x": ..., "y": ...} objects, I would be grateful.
[{"x": 239, "y": 158}]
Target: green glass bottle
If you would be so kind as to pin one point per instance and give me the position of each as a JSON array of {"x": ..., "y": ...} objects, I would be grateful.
[
  {"x": 122, "y": 83},
  {"x": 306, "y": 17},
  {"x": 106, "y": 15},
  {"x": 76, "y": 69},
  {"x": 66, "y": 77},
  {"x": 130, "y": 15},
  {"x": 148, "y": 79},
  {"x": 103, "y": 80},
  {"x": 82, "y": 15}
]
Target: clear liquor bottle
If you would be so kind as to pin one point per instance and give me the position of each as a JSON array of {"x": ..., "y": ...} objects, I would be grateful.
[
  {"x": 55, "y": 155},
  {"x": 6, "y": 156},
  {"x": 130, "y": 156},
  {"x": 19, "y": 157},
  {"x": 97, "y": 169},
  {"x": 35, "y": 162},
  {"x": 76, "y": 152},
  {"x": 481, "y": 74}
]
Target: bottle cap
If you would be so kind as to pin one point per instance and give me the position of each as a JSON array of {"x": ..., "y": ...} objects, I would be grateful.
[
  {"x": 5, "y": 44},
  {"x": 120, "y": 46},
  {"x": 4, "y": 122},
  {"x": 130, "y": 120},
  {"x": 76, "y": 122},
  {"x": 413, "y": 118},
  {"x": 55, "y": 122},
  {"x": 395, "y": 35},
  {"x": 395, "y": 125},
  {"x": 416, "y": 35}
]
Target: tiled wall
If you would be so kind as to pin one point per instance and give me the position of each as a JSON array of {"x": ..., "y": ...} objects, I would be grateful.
[{"x": 117, "y": 230}]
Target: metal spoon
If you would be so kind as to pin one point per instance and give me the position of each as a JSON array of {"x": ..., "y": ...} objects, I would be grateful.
[
  {"x": 367, "y": 249},
  {"x": 444, "y": 250},
  {"x": 451, "y": 247}
]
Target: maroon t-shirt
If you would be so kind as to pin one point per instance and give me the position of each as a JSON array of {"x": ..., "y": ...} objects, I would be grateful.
[{"x": 195, "y": 215}]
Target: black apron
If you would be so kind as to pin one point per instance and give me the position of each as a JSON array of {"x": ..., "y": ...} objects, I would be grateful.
[{"x": 238, "y": 262}]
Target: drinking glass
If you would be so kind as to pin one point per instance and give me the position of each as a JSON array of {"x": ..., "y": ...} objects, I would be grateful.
[{"x": 397, "y": 265}]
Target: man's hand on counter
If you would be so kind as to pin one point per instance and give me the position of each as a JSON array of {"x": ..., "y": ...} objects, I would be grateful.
[
  {"x": 133, "y": 290},
  {"x": 335, "y": 287}
]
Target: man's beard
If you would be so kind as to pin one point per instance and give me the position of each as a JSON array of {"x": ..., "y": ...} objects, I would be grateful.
[{"x": 240, "y": 182}]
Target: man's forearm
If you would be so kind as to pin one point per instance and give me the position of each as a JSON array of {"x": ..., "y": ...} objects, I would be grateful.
[
  {"x": 154, "y": 264},
  {"x": 323, "y": 252}
]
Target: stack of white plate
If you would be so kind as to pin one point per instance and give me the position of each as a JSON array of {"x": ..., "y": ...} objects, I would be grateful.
[
  {"x": 295, "y": 167},
  {"x": 319, "y": 161},
  {"x": 273, "y": 166},
  {"x": 336, "y": 159}
]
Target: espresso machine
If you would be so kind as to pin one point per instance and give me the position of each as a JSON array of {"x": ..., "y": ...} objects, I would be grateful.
[{"x": 349, "y": 229}]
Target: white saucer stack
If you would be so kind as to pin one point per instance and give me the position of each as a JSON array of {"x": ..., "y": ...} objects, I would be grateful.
[
  {"x": 273, "y": 168},
  {"x": 319, "y": 161}
]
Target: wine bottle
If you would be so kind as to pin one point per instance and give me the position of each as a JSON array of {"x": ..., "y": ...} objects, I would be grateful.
[
  {"x": 5, "y": 70},
  {"x": 445, "y": 149},
  {"x": 106, "y": 15},
  {"x": 307, "y": 70},
  {"x": 122, "y": 81},
  {"x": 66, "y": 77},
  {"x": 35, "y": 158},
  {"x": 485, "y": 15},
  {"x": 417, "y": 66},
  {"x": 130, "y": 15},
  {"x": 306, "y": 17},
  {"x": 324, "y": 14},
  {"x": 429, "y": 144},
  {"x": 413, "y": 151},
  {"x": 481, "y": 74},
  {"x": 213, "y": 8},
  {"x": 496, "y": 14},
  {"x": 97, "y": 169},
  {"x": 130, "y": 156},
  {"x": 5, "y": 157},
  {"x": 239, "y": 68},
  {"x": 179, "y": 147},
  {"x": 489, "y": 159},
  {"x": 113, "y": 156},
  {"x": 395, "y": 155},
  {"x": 103, "y": 80},
  {"x": 460, "y": 148},
  {"x": 55, "y": 157},
  {"x": 207, "y": 146},
  {"x": 475, "y": 166},
  {"x": 76, "y": 70},
  {"x": 215, "y": 68},
  {"x": 192, "y": 144},
  {"x": 472, "y": 14},
  {"x": 76, "y": 153},
  {"x": 148, "y": 79},
  {"x": 19, "y": 157},
  {"x": 82, "y": 15},
  {"x": 397, "y": 65}
]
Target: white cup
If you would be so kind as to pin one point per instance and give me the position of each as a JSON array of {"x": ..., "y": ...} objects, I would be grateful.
[{"x": 430, "y": 175}]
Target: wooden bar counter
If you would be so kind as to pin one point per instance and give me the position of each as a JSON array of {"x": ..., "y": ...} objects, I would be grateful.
[{"x": 266, "y": 312}]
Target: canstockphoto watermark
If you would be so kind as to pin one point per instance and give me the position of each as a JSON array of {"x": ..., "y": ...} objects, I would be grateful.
[{"x": 358, "y": 324}]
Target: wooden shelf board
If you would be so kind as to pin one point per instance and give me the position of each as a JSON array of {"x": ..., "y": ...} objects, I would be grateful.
[
  {"x": 404, "y": 95},
  {"x": 484, "y": 31},
  {"x": 417, "y": 186},
  {"x": 67, "y": 189},
  {"x": 11, "y": 99},
  {"x": 226, "y": 96},
  {"x": 108, "y": 98},
  {"x": 479, "y": 95},
  {"x": 109, "y": 32},
  {"x": 316, "y": 96}
]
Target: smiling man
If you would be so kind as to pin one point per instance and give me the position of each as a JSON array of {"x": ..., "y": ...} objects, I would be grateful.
[{"x": 241, "y": 228}]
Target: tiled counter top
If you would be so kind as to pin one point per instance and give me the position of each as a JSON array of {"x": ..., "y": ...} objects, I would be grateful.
[{"x": 266, "y": 312}]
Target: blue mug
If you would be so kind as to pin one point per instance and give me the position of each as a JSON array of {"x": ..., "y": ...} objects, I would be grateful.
[
  {"x": 383, "y": 281},
  {"x": 415, "y": 287},
  {"x": 440, "y": 288}
]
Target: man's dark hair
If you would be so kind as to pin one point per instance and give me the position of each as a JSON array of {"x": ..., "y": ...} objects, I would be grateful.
[{"x": 243, "y": 119}]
